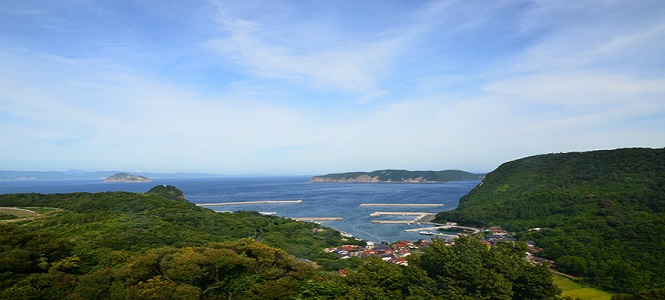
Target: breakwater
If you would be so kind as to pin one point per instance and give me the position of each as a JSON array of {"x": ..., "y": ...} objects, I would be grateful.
[
  {"x": 420, "y": 217},
  {"x": 470, "y": 229},
  {"x": 318, "y": 219},
  {"x": 250, "y": 202},
  {"x": 397, "y": 213},
  {"x": 402, "y": 204}
]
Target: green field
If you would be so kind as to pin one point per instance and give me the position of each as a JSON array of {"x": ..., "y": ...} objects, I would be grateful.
[
  {"x": 576, "y": 290},
  {"x": 18, "y": 212}
]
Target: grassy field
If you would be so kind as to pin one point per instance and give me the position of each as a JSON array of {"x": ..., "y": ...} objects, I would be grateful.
[
  {"x": 12, "y": 214},
  {"x": 18, "y": 212},
  {"x": 576, "y": 290}
]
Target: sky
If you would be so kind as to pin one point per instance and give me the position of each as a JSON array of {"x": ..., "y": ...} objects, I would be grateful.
[{"x": 315, "y": 87}]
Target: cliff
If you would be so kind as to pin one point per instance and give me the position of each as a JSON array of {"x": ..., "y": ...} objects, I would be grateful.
[{"x": 398, "y": 176}]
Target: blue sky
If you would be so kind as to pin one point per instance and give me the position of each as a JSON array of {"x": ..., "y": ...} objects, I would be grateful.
[{"x": 313, "y": 87}]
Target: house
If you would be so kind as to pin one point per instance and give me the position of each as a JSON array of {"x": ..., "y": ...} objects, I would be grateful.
[
  {"x": 399, "y": 261},
  {"x": 349, "y": 247},
  {"x": 496, "y": 230},
  {"x": 381, "y": 247},
  {"x": 386, "y": 256}
]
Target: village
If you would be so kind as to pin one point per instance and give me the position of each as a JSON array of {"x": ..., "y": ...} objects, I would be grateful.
[{"x": 398, "y": 252}]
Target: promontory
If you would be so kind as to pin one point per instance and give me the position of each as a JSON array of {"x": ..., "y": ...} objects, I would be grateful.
[
  {"x": 398, "y": 176},
  {"x": 125, "y": 177}
]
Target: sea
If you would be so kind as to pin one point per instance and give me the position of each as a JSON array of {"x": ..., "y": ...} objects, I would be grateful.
[{"x": 319, "y": 200}]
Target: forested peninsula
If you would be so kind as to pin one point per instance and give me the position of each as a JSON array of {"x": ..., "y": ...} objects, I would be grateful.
[
  {"x": 599, "y": 215},
  {"x": 398, "y": 176}
]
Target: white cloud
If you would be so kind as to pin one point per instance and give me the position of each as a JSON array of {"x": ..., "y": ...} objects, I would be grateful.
[
  {"x": 122, "y": 115},
  {"x": 578, "y": 89},
  {"x": 353, "y": 68},
  {"x": 592, "y": 34}
]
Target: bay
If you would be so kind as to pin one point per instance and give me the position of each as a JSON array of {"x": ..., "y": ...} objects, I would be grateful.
[{"x": 318, "y": 199}]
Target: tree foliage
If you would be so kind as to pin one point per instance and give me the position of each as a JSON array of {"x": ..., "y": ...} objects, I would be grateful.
[
  {"x": 472, "y": 269},
  {"x": 602, "y": 213},
  {"x": 120, "y": 245}
]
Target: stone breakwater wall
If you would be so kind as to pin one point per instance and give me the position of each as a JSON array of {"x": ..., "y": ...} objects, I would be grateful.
[{"x": 402, "y": 204}]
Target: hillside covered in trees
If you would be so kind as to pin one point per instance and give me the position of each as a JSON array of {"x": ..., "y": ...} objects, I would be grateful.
[
  {"x": 118, "y": 245},
  {"x": 601, "y": 214}
]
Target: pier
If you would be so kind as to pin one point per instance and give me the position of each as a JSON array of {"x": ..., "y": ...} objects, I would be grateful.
[
  {"x": 251, "y": 202},
  {"x": 403, "y": 204},
  {"x": 315, "y": 219},
  {"x": 419, "y": 217},
  {"x": 394, "y": 221},
  {"x": 474, "y": 230},
  {"x": 397, "y": 213}
]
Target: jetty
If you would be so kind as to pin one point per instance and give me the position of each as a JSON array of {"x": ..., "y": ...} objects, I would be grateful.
[
  {"x": 250, "y": 202},
  {"x": 419, "y": 217},
  {"x": 403, "y": 204},
  {"x": 397, "y": 213},
  {"x": 450, "y": 236},
  {"x": 472, "y": 229},
  {"x": 315, "y": 219},
  {"x": 265, "y": 213},
  {"x": 394, "y": 221}
]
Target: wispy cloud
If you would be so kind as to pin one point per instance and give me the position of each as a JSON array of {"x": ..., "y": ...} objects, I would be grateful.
[
  {"x": 292, "y": 87},
  {"x": 593, "y": 34}
]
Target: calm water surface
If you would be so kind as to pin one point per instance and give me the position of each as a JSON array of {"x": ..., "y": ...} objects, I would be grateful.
[{"x": 318, "y": 199}]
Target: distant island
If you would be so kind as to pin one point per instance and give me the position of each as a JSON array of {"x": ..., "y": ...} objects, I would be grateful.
[
  {"x": 78, "y": 174},
  {"x": 125, "y": 177},
  {"x": 398, "y": 176}
]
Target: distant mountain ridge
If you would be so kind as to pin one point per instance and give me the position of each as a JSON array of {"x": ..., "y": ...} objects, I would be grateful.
[
  {"x": 76, "y": 174},
  {"x": 398, "y": 176}
]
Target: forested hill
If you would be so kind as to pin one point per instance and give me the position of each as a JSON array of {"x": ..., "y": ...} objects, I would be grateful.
[
  {"x": 602, "y": 213},
  {"x": 398, "y": 176},
  {"x": 158, "y": 245},
  {"x": 140, "y": 246}
]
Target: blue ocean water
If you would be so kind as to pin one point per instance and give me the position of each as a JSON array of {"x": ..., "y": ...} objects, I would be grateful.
[{"x": 318, "y": 199}]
